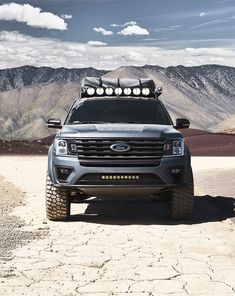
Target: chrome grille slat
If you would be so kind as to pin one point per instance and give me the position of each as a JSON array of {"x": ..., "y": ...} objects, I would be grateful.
[
  {"x": 109, "y": 142},
  {"x": 119, "y": 157},
  {"x": 90, "y": 147},
  {"x": 113, "y": 154}
]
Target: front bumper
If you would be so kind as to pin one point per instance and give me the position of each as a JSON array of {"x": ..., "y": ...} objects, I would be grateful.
[{"x": 164, "y": 178}]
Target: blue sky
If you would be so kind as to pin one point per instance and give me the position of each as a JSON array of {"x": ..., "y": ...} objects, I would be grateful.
[{"x": 111, "y": 32}]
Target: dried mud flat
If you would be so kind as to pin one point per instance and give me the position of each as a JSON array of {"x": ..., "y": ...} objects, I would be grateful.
[{"x": 116, "y": 247}]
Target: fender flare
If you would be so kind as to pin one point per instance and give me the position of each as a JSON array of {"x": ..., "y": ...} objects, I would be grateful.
[{"x": 50, "y": 164}]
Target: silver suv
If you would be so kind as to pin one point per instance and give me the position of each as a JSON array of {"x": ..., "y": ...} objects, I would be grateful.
[{"x": 119, "y": 140}]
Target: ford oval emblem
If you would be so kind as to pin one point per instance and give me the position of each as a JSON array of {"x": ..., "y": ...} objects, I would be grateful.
[{"x": 120, "y": 147}]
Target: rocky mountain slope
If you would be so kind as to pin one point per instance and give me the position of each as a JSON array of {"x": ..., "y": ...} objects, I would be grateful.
[
  {"x": 30, "y": 95},
  {"x": 204, "y": 94},
  {"x": 29, "y": 75}
]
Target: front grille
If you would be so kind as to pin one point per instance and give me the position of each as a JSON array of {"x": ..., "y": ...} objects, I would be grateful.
[{"x": 97, "y": 152}]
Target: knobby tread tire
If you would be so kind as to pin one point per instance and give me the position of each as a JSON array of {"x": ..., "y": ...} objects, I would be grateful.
[
  {"x": 57, "y": 202},
  {"x": 181, "y": 203}
]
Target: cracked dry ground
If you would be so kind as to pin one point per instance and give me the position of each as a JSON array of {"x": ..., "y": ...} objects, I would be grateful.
[{"x": 117, "y": 248}]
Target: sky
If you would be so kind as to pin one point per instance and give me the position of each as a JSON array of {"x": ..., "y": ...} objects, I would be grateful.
[{"x": 107, "y": 34}]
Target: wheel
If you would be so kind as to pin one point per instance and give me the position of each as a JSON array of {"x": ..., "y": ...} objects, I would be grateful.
[
  {"x": 57, "y": 202},
  {"x": 181, "y": 201}
]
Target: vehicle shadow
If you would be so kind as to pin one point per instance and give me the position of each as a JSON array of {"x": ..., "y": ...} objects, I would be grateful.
[{"x": 143, "y": 211}]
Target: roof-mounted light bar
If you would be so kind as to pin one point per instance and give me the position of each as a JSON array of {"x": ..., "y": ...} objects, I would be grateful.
[
  {"x": 136, "y": 91},
  {"x": 103, "y": 86},
  {"x": 127, "y": 91},
  {"x": 100, "y": 91},
  {"x": 90, "y": 91},
  {"x": 118, "y": 91},
  {"x": 146, "y": 91},
  {"x": 109, "y": 91}
]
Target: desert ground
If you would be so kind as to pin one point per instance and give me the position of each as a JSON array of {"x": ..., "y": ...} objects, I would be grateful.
[{"x": 116, "y": 247}]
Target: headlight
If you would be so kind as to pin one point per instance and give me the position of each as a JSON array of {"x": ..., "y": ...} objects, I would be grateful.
[
  {"x": 173, "y": 147},
  {"x": 61, "y": 147}
]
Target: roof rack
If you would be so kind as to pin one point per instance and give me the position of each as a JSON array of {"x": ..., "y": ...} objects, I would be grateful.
[{"x": 99, "y": 86}]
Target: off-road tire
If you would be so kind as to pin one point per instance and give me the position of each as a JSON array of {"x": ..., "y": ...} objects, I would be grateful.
[
  {"x": 57, "y": 202},
  {"x": 181, "y": 201}
]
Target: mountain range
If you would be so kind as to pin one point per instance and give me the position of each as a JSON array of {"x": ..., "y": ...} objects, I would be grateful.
[{"x": 30, "y": 95}]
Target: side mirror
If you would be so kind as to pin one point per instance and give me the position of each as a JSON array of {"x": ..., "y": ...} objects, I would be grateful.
[
  {"x": 182, "y": 123},
  {"x": 54, "y": 123}
]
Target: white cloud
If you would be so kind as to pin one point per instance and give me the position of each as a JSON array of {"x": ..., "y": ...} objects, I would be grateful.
[
  {"x": 214, "y": 22},
  {"x": 32, "y": 16},
  {"x": 203, "y": 14},
  {"x": 67, "y": 16},
  {"x": 151, "y": 39},
  {"x": 154, "y": 39},
  {"x": 133, "y": 30},
  {"x": 13, "y": 36},
  {"x": 55, "y": 53},
  {"x": 103, "y": 31},
  {"x": 130, "y": 23},
  {"x": 96, "y": 43},
  {"x": 172, "y": 28}
]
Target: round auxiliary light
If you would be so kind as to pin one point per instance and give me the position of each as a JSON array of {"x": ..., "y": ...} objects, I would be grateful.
[
  {"x": 146, "y": 91},
  {"x": 118, "y": 91},
  {"x": 90, "y": 91},
  {"x": 109, "y": 91},
  {"x": 136, "y": 91},
  {"x": 127, "y": 91},
  {"x": 100, "y": 91}
]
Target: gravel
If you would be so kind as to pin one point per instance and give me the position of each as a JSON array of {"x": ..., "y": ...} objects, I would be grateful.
[{"x": 11, "y": 233}]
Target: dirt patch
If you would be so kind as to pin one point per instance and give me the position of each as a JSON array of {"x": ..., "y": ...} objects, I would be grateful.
[
  {"x": 24, "y": 147},
  {"x": 11, "y": 233},
  {"x": 211, "y": 144}
]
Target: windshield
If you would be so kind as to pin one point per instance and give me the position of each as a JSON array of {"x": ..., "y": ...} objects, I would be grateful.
[{"x": 122, "y": 110}]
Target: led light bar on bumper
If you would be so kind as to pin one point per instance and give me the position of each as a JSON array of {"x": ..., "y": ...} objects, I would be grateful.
[
  {"x": 173, "y": 147},
  {"x": 118, "y": 177}
]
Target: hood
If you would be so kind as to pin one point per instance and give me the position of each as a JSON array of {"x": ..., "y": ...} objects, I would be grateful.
[{"x": 119, "y": 131}]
